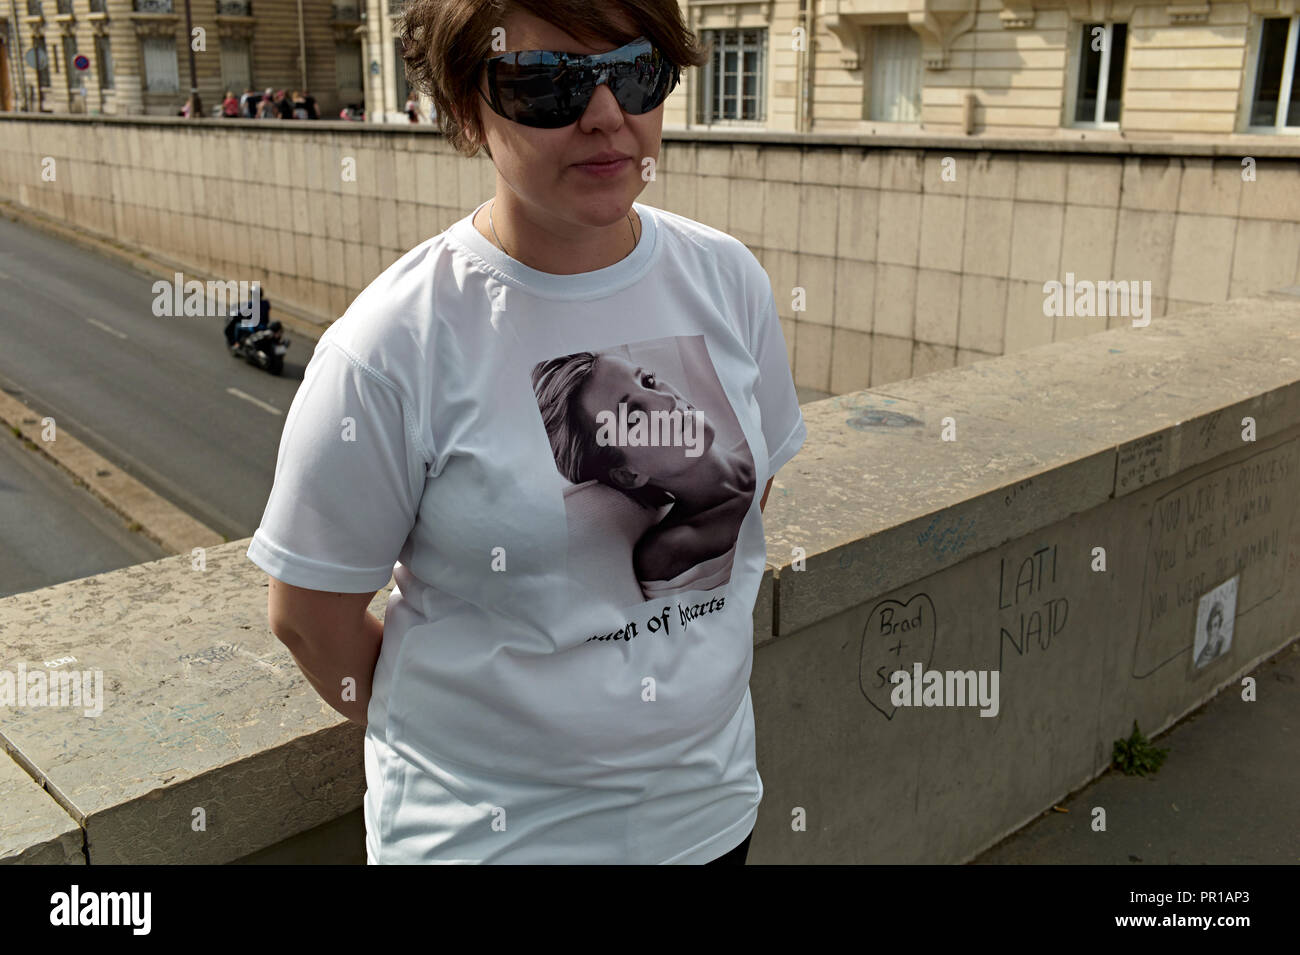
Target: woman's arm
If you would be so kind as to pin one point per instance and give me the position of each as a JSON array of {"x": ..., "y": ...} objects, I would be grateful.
[{"x": 331, "y": 637}]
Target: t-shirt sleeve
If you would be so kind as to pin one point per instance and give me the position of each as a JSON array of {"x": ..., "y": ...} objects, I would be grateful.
[
  {"x": 783, "y": 425},
  {"x": 348, "y": 480}
]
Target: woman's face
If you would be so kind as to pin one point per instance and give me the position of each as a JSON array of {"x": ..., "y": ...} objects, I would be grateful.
[
  {"x": 539, "y": 165},
  {"x": 613, "y": 380}
]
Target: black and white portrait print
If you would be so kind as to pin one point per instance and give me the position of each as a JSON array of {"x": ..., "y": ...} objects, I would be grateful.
[{"x": 660, "y": 473}]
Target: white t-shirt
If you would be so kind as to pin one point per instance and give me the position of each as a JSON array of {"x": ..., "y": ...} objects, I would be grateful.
[{"x": 459, "y": 429}]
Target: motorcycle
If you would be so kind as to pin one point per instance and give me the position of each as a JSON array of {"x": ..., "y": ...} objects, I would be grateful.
[{"x": 262, "y": 345}]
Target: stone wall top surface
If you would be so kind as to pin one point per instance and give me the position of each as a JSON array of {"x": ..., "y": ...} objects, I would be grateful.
[
  {"x": 192, "y": 682},
  {"x": 878, "y": 498},
  {"x": 1236, "y": 146}
]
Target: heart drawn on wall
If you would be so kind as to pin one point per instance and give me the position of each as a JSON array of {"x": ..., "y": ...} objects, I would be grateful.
[{"x": 895, "y": 636}]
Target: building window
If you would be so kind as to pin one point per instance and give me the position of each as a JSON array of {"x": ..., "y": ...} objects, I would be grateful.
[
  {"x": 236, "y": 64},
  {"x": 894, "y": 95},
  {"x": 160, "y": 74},
  {"x": 733, "y": 81},
  {"x": 1275, "y": 103},
  {"x": 69, "y": 54},
  {"x": 104, "y": 61},
  {"x": 399, "y": 70},
  {"x": 1100, "y": 87},
  {"x": 347, "y": 66},
  {"x": 42, "y": 57}
]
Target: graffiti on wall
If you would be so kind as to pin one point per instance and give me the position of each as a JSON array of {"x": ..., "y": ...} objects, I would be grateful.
[{"x": 1234, "y": 520}]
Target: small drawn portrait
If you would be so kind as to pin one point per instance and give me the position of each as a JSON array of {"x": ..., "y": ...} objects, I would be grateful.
[
  {"x": 1214, "y": 619},
  {"x": 661, "y": 475}
]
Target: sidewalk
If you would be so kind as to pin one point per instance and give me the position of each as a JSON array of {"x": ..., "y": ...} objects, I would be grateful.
[{"x": 1225, "y": 795}]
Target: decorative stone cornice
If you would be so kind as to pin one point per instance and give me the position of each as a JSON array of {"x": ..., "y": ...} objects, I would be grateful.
[
  {"x": 1274, "y": 8},
  {"x": 155, "y": 24},
  {"x": 731, "y": 11},
  {"x": 1099, "y": 11},
  {"x": 848, "y": 31},
  {"x": 938, "y": 24},
  {"x": 1188, "y": 12},
  {"x": 1017, "y": 14},
  {"x": 235, "y": 27}
]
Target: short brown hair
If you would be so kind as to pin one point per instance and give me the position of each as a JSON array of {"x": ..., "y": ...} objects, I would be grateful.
[{"x": 445, "y": 41}]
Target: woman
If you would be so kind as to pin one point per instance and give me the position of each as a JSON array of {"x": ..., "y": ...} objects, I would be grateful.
[
  {"x": 501, "y": 725},
  {"x": 230, "y": 106},
  {"x": 412, "y": 108}
]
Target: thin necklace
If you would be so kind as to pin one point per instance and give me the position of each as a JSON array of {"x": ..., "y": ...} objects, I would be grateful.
[{"x": 503, "y": 248}]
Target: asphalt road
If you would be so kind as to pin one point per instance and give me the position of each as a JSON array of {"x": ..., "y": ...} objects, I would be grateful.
[
  {"x": 52, "y": 529},
  {"x": 158, "y": 396}
]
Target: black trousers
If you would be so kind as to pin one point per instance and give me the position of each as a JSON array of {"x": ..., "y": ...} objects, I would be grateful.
[{"x": 736, "y": 856}]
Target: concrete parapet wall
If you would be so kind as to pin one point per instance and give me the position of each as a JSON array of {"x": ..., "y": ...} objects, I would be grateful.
[
  {"x": 1129, "y": 440},
  {"x": 903, "y": 271},
  {"x": 981, "y": 553}
]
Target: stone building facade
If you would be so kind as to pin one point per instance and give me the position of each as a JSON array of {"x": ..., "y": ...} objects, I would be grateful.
[
  {"x": 1081, "y": 69},
  {"x": 136, "y": 52}
]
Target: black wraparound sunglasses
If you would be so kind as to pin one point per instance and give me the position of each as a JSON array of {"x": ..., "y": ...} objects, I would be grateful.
[{"x": 548, "y": 89}]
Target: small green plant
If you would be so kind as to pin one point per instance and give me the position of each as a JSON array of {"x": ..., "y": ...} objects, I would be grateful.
[{"x": 1136, "y": 756}]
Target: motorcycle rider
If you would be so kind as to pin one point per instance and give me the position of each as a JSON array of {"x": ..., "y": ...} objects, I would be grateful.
[{"x": 238, "y": 327}]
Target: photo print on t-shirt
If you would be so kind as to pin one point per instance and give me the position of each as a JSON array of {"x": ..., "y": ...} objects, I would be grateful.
[{"x": 660, "y": 473}]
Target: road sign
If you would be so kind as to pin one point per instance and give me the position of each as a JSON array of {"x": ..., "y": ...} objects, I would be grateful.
[
  {"x": 81, "y": 61},
  {"x": 37, "y": 58}
]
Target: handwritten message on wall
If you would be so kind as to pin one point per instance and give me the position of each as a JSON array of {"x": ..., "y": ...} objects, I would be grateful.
[{"x": 1235, "y": 519}]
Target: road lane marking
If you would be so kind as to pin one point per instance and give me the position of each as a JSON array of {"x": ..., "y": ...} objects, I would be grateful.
[
  {"x": 107, "y": 328},
  {"x": 247, "y": 397}
]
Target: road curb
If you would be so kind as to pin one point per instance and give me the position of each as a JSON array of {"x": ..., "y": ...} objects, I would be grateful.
[{"x": 153, "y": 516}]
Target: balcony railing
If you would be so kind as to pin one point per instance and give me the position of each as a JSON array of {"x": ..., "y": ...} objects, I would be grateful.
[
  {"x": 34, "y": 8},
  {"x": 64, "y": 7},
  {"x": 152, "y": 6},
  {"x": 346, "y": 12},
  {"x": 234, "y": 8},
  {"x": 98, "y": 6}
]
